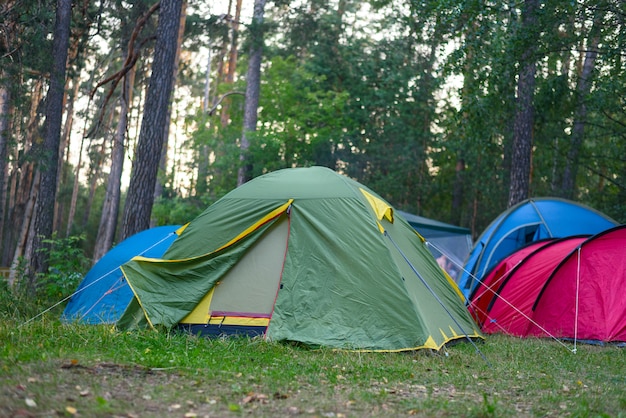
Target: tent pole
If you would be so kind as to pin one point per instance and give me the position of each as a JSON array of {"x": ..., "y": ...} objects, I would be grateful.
[{"x": 576, "y": 301}]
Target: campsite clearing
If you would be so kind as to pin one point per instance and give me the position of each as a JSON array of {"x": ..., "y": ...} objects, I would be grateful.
[{"x": 49, "y": 369}]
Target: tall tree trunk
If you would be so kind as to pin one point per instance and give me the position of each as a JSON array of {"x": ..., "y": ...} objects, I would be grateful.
[
  {"x": 48, "y": 164},
  {"x": 253, "y": 87},
  {"x": 232, "y": 63},
  {"x": 525, "y": 112},
  {"x": 111, "y": 203},
  {"x": 96, "y": 171},
  {"x": 4, "y": 149},
  {"x": 458, "y": 191},
  {"x": 75, "y": 188},
  {"x": 158, "y": 190},
  {"x": 582, "y": 91},
  {"x": 20, "y": 189},
  {"x": 64, "y": 151},
  {"x": 23, "y": 251},
  {"x": 140, "y": 196}
]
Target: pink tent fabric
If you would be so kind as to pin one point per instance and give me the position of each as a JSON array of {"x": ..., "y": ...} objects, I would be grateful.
[
  {"x": 584, "y": 298},
  {"x": 509, "y": 311},
  {"x": 492, "y": 281}
]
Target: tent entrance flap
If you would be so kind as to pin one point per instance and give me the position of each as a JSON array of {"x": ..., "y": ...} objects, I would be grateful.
[{"x": 245, "y": 295}]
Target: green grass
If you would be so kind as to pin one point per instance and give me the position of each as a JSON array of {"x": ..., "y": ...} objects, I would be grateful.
[{"x": 50, "y": 369}]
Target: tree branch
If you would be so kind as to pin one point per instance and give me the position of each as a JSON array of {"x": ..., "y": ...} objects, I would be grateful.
[
  {"x": 217, "y": 103},
  {"x": 131, "y": 58}
]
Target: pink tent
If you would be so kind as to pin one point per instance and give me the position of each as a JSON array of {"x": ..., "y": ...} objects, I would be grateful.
[
  {"x": 584, "y": 298},
  {"x": 510, "y": 309},
  {"x": 494, "y": 279}
]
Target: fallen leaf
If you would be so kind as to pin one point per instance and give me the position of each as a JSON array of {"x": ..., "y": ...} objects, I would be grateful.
[
  {"x": 278, "y": 395},
  {"x": 30, "y": 402},
  {"x": 71, "y": 410},
  {"x": 252, "y": 397}
]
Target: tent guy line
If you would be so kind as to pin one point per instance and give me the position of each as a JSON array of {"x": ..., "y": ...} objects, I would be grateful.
[
  {"x": 529, "y": 320},
  {"x": 437, "y": 298},
  {"x": 490, "y": 288},
  {"x": 82, "y": 289}
]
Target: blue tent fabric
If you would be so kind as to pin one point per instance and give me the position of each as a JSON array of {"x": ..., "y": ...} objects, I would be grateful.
[
  {"x": 103, "y": 294},
  {"x": 528, "y": 221}
]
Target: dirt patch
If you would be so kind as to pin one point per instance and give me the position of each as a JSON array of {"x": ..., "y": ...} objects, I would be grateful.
[{"x": 106, "y": 389}]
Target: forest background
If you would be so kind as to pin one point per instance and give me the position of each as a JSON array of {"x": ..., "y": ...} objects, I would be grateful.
[{"x": 120, "y": 115}]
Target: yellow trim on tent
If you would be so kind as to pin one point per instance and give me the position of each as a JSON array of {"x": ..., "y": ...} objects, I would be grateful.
[
  {"x": 381, "y": 208},
  {"x": 454, "y": 285},
  {"x": 227, "y": 320},
  {"x": 430, "y": 343},
  {"x": 419, "y": 235},
  {"x": 238, "y": 320},
  {"x": 199, "y": 314},
  {"x": 181, "y": 229},
  {"x": 453, "y": 331},
  {"x": 281, "y": 209},
  {"x": 136, "y": 297},
  {"x": 445, "y": 336},
  {"x": 263, "y": 220}
]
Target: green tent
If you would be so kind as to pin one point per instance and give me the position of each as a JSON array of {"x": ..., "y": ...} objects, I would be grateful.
[{"x": 305, "y": 255}]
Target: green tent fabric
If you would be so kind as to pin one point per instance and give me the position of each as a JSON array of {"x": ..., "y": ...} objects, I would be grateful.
[{"x": 305, "y": 255}]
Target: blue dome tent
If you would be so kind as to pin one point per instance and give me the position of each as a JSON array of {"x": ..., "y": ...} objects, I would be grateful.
[
  {"x": 103, "y": 294},
  {"x": 528, "y": 221}
]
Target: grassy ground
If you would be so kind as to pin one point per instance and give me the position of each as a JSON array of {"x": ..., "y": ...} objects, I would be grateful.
[{"x": 48, "y": 369}]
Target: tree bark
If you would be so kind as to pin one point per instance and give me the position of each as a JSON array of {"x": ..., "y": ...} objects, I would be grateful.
[
  {"x": 582, "y": 91},
  {"x": 232, "y": 62},
  {"x": 158, "y": 190},
  {"x": 64, "y": 151},
  {"x": 524, "y": 114},
  {"x": 4, "y": 148},
  {"x": 140, "y": 198},
  {"x": 20, "y": 192},
  {"x": 48, "y": 163},
  {"x": 253, "y": 87},
  {"x": 111, "y": 203}
]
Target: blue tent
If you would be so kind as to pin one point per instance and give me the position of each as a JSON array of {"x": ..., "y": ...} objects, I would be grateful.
[
  {"x": 103, "y": 295},
  {"x": 528, "y": 221}
]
